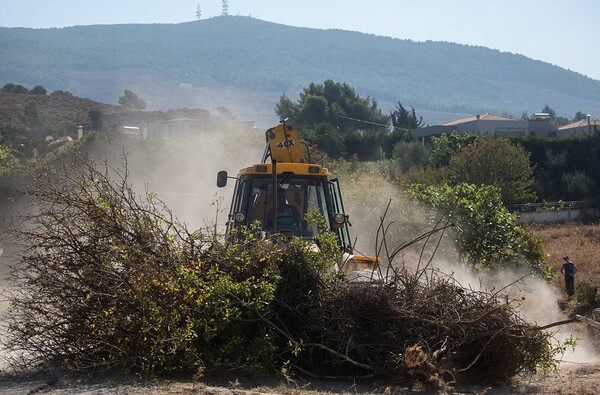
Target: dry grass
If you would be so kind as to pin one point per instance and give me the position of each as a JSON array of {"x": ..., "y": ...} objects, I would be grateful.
[{"x": 581, "y": 242}]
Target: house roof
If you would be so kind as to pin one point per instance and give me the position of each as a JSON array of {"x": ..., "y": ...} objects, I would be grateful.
[
  {"x": 486, "y": 117},
  {"x": 582, "y": 123}
]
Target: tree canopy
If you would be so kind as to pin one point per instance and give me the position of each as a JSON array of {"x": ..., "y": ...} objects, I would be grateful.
[
  {"x": 334, "y": 103},
  {"x": 447, "y": 145},
  {"x": 38, "y": 90},
  {"x": 334, "y": 117},
  {"x": 402, "y": 118},
  {"x": 496, "y": 161},
  {"x": 14, "y": 88},
  {"x": 487, "y": 234},
  {"x": 131, "y": 100}
]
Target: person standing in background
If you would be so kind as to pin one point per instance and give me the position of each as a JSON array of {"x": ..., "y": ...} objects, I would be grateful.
[{"x": 568, "y": 270}]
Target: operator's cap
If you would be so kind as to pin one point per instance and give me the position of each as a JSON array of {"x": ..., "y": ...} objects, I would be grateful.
[{"x": 566, "y": 258}]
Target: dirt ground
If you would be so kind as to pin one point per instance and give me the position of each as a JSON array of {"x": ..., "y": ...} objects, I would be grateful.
[
  {"x": 575, "y": 376},
  {"x": 570, "y": 379},
  {"x": 580, "y": 242}
]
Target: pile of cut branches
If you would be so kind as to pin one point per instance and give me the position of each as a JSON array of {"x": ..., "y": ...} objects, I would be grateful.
[
  {"x": 458, "y": 332},
  {"x": 109, "y": 279}
]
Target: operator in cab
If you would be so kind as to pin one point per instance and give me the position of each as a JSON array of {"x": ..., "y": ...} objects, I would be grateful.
[{"x": 288, "y": 215}]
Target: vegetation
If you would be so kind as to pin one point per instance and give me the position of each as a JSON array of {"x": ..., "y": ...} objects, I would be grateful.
[
  {"x": 10, "y": 171},
  {"x": 446, "y": 145},
  {"x": 496, "y": 161},
  {"x": 131, "y": 100},
  {"x": 336, "y": 120},
  {"x": 12, "y": 88},
  {"x": 565, "y": 168},
  {"x": 335, "y": 104},
  {"x": 580, "y": 241},
  {"x": 404, "y": 119},
  {"x": 109, "y": 279},
  {"x": 486, "y": 233},
  {"x": 249, "y": 53},
  {"x": 342, "y": 124}
]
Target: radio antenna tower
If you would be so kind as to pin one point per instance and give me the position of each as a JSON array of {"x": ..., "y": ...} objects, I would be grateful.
[
  {"x": 198, "y": 12},
  {"x": 225, "y": 11}
]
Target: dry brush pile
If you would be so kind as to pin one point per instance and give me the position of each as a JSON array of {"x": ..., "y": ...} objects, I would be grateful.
[{"x": 109, "y": 279}]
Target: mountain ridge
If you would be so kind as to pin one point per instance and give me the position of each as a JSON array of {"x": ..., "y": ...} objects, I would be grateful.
[{"x": 202, "y": 60}]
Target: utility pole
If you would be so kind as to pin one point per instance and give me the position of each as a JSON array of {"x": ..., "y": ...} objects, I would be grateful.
[{"x": 198, "y": 12}]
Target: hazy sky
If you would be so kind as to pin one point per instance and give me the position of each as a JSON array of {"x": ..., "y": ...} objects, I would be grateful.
[{"x": 560, "y": 32}]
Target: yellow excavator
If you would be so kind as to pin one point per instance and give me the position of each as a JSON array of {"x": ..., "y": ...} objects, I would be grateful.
[{"x": 278, "y": 193}]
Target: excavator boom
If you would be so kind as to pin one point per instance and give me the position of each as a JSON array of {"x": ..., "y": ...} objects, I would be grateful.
[{"x": 283, "y": 145}]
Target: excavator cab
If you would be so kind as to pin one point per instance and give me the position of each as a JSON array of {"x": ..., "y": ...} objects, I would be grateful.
[
  {"x": 280, "y": 192},
  {"x": 298, "y": 192}
]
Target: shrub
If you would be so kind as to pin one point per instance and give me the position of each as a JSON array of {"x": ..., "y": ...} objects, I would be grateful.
[
  {"x": 586, "y": 292},
  {"x": 496, "y": 161},
  {"x": 576, "y": 186},
  {"x": 410, "y": 155},
  {"x": 38, "y": 90},
  {"x": 486, "y": 233}
]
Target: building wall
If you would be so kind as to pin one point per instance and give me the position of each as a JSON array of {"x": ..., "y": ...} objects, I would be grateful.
[
  {"x": 494, "y": 127},
  {"x": 577, "y": 214},
  {"x": 572, "y": 131},
  {"x": 177, "y": 128},
  {"x": 503, "y": 128},
  {"x": 542, "y": 128}
]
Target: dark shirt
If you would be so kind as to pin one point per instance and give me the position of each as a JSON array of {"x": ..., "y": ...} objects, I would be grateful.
[{"x": 568, "y": 268}]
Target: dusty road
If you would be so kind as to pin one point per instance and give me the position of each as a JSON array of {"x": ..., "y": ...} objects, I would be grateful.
[
  {"x": 572, "y": 378},
  {"x": 569, "y": 380}
]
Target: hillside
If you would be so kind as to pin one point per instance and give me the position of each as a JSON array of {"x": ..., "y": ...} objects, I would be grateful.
[
  {"x": 60, "y": 113},
  {"x": 241, "y": 61}
]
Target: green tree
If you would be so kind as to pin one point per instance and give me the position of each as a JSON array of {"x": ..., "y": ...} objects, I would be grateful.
[
  {"x": 404, "y": 119},
  {"x": 12, "y": 88},
  {"x": 496, "y": 161},
  {"x": 31, "y": 118},
  {"x": 327, "y": 139},
  {"x": 560, "y": 120},
  {"x": 8, "y": 163},
  {"x": 548, "y": 110},
  {"x": 131, "y": 100},
  {"x": 408, "y": 155},
  {"x": 446, "y": 145},
  {"x": 62, "y": 93},
  {"x": 334, "y": 103},
  {"x": 9, "y": 170},
  {"x": 353, "y": 125},
  {"x": 485, "y": 232},
  {"x": 38, "y": 90},
  {"x": 576, "y": 186},
  {"x": 96, "y": 118},
  {"x": 286, "y": 108}
]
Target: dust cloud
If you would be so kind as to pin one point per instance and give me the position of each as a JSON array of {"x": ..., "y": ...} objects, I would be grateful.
[
  {"x": 182, "y": 173},
  {"x": 536, "y": 300}
]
